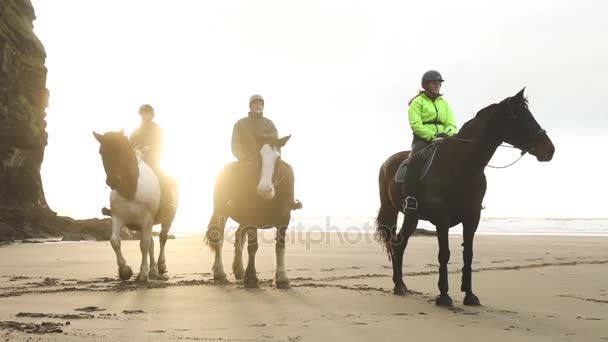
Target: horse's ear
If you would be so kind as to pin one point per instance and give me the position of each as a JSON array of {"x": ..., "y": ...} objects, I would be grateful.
[
  {"x": 520, "y": 95},
  {"x": 283, "y": 141},
  {"x": 98, "y": 136}
]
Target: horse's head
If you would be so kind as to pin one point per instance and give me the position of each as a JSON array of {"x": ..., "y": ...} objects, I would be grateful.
[
  {"x": 119, "y": 160},
  {"x": 523, "y": 131},
  {"x": 270, "y": 155}
]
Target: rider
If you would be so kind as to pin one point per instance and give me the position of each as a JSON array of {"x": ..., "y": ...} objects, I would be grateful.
[
  {"x": 245, "y": 143},
  {"x": 148, "y": 138},
  {"x": 246, "y": 134},
  {"x": 431, "y": 119}
]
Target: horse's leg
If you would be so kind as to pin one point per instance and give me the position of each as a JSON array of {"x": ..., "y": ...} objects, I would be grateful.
[
  {"x": 280, "y": 276},
  {"x": 251, "y": 277},
  {"x": 444, "y": 298},
  {"x": 215, "y": 240},
  {"x": 410, "y": 222},
  {"x": 124, "y": 271},
  {"x": 162, "y": 238},
  {"x": 469, "y": 227},
  {"x": 144, "y": 246},
  {"x": 153, "y": 273},
  {"x": 237, "y": 262}
]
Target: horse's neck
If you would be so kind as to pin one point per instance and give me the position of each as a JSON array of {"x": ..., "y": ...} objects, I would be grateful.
[
  {"x": 484, "y": 133},
  {"x": 130, "y": 178}
]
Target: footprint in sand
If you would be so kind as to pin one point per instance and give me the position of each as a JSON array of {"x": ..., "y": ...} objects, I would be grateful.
[
  {"x": 133, "y": 312},
  {"x": 89, "y": 309},
  {"x": 57, "y": 316}
]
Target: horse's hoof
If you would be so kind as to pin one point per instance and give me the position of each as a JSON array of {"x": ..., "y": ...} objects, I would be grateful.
[
  {"x": 239, "y": 272},
  {"x": 125, "y": 272},
  {"x": 154, "y": 275},
  {"x": 400, "y": 290},
  {"x": 444, "y": 300},
  {"x": 471, "y": 300},
  {"x": 252, "y": 283},
  {"x": 220, "y": 280},
  {"x": 162, "y": 268},
  {"x": 283, "y": 284},
  {"x": 142, "y": 278}
]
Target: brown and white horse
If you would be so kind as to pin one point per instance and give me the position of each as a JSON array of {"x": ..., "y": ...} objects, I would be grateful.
[{"x": 134, "y": 203}]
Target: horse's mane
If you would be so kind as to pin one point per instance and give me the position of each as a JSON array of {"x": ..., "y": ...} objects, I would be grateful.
[{"x": 484, "y": 113}]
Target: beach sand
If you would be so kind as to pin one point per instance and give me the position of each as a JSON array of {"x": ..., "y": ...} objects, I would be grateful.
[{"x": 533, "y": 288}]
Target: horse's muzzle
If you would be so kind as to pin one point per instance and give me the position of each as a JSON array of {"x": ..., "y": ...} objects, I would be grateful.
[
  {"x": 266, "y": 192},
  {"x": 543, "y": 149}
]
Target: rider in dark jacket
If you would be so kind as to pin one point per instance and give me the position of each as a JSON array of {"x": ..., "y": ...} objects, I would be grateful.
[{"x": 247, "y": 131}]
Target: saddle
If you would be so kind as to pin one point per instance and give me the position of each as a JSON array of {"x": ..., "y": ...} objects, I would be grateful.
[{"x": 419, "y": 164}]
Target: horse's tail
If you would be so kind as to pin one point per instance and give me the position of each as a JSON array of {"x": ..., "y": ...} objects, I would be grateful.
[
  {"x": 386, "y": 222},
  {"x": 214, "y": 237}
]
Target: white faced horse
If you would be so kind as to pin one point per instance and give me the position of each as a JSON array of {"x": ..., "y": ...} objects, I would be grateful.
[
  {"x": 134, "y": 203},
  {"x": 257, "y": 195}
]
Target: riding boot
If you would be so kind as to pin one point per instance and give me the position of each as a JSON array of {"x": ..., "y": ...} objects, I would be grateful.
[
  {"x": 410, "y": 203},
  {"x": 410, "y": 184}
]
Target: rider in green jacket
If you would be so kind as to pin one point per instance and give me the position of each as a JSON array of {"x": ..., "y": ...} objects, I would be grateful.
[{"x": 431, "y": 119}]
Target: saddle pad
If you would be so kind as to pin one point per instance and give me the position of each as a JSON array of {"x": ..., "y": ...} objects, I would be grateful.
[{"x": 424, "y": 157}]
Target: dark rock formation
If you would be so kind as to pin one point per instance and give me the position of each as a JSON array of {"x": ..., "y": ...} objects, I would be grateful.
[{"x": 24, "y": 212}]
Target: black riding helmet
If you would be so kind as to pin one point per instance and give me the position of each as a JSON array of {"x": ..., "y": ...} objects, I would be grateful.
[{"x": 431, "y": 75}]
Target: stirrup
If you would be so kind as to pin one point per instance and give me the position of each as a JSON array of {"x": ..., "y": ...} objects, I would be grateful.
[{"x": 410, "y": 203}]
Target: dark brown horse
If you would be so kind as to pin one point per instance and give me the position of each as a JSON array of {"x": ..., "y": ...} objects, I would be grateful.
[
  {"x": 453, "y": 190},
  {"x": 257, "y": 195}
]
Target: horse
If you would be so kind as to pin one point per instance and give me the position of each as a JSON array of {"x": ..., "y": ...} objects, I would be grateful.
[
  {"x": 257, "y": 195},
  {"x": 454, "y": 187},
  {"x": 134, "y": 203}
]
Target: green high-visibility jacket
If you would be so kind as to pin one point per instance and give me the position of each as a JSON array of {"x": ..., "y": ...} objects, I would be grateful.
[{"x": 429, "y": 118}]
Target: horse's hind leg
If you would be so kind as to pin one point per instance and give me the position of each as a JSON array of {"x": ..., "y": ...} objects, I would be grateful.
[
  {"x": 153, "y": 273},
  {"x": 237, "y": 262},
  {"x": 215, "y": 239},
  {"x": 162, "y": 238},
  {"x": 251, "y": 277},
  {"x": 410, "y": 222},
  {"x": 144, "y": 246},
  {"x": 280, "y": 276},
  {"x": 124, "y": 271}
]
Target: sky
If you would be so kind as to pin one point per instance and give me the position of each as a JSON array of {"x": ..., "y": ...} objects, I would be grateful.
[{"x": 337, "y": 76}]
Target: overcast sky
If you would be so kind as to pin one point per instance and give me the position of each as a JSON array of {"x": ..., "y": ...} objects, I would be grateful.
[{"x": 336, "y": 75}]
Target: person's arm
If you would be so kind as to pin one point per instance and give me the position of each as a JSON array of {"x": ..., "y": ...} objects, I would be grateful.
[
  {"x": 272, "y": 129},
  {"x": 236, "y": 142},
  {"x": 450, "y": 122},
  {"x": 157, "y": 144},
  {"x": 415, "y": 118},
  {"x": 243, "y": 142},
  {"x": 134, "y": 137}
]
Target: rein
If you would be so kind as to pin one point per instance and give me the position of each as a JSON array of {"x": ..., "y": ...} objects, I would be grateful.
[{"x": 523, "y": 152}]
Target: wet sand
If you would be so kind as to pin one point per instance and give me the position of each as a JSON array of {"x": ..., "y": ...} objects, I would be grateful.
[{"x": 533, "y": 288}]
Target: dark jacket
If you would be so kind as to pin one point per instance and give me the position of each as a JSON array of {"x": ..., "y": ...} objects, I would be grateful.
[
  {"x": 246, "y": 134},
  {"x": 149, "y": 136}
]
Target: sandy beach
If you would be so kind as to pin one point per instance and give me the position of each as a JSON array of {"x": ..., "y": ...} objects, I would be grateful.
[{"x": 533, "y": 288}]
